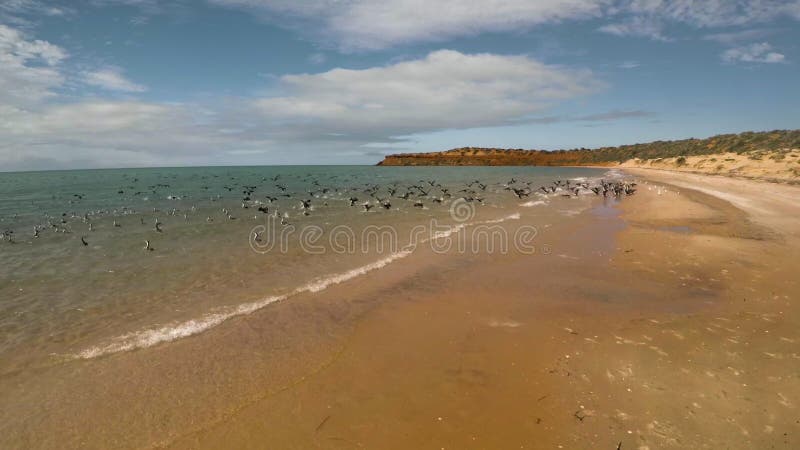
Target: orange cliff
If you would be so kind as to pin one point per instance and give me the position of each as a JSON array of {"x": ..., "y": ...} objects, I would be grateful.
[{"x": 472, "y": 156}]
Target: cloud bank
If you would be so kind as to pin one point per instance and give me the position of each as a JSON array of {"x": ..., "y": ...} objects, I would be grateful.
[
  {"x": 334, "y": 111},
  {"x": 445, "y": 90},
  {"x": 358, "y": 25}
]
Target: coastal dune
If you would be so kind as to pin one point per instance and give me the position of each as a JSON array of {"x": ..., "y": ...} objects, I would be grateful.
[{"x": 778, "y": 167}]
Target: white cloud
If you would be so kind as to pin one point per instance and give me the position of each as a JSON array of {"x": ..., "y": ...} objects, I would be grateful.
[
  {"x": 714, "y": 13},
  {"x": 39, "y": 128},
  {"x": 11, "y": 10},
  {"x": 317, "y": 58},
  {"x": 112, "y": 79},
  {"x": 101, "y": 133},
  {"x": 446, "y": 89},
  {"x": 734, "y": 37},
  {"x": 329, "y": 113},
  {"x": 27, "y": 72},
  {"x": 94, "y": 116},
  {"x": 12, "y": 42},
  {"x": 372, "y": 25},
  {"x": 629, "y": 65},
  {"x": 637, "y": 26},
  {"x": 649, "y": 18},
  {"x": 753, "y": 53}
]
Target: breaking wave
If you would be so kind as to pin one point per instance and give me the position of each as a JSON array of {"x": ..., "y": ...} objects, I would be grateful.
[{"x": 154, "y": 336}]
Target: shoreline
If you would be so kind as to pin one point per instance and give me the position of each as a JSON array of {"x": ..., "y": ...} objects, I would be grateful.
[
  {"x": 662, "y": 322},
  {"x": 611, "y": 366},
  {"x": 783, "y": 181},
  {"x": 772, "y": 204}
]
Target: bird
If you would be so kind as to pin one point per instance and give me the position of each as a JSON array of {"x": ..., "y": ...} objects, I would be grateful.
[
  {"x": 7, "y": 235},
  {"x": 147, "y": 245},
  {"x": 83, "y": 241},
  {"x": 521, "y": 192}
]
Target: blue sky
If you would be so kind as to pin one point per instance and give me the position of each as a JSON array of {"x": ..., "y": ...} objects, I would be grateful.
[{"x": 120, "y": 83}]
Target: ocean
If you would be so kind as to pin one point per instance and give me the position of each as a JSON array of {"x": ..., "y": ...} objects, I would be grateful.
[{"x": 103, "y": 263}]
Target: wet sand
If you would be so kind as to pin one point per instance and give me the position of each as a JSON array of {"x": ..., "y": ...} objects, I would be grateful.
[
  {"x": 666, "y": 321},
  {"x": 683, "y": 334}
]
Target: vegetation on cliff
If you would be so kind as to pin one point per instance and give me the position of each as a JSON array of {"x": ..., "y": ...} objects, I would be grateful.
[{"x": 750, "y": 142}]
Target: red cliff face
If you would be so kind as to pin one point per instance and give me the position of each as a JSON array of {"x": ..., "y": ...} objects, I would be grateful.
[{"x": 471, "y": 156}]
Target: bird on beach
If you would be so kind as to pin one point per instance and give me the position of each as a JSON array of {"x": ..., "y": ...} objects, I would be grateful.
[
  {"x": 520, "y": 193},
  {"x": 314, "y": 197},
  {"x": 7, "y": 235}
]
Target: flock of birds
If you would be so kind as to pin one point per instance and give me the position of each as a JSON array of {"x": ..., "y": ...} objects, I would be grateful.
[{"x": 277, "y": 203}]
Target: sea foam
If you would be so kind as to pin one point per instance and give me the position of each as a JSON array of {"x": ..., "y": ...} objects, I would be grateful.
[
  {"x": 154, "y": 336},
  {"x": 534, "y": 203}
]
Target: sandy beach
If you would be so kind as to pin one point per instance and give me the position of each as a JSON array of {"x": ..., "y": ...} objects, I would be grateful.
[
  {"x": 773, "y": 166},
  {"x": 317, "y": 224},
  {"x": 684, "y": 336},
  {"x": 663, "y": 321}
]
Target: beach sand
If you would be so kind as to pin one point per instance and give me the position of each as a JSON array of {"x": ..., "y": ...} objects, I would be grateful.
[
  {"x": 686, "y": 337},
  {"x": 666, "y": 321}
]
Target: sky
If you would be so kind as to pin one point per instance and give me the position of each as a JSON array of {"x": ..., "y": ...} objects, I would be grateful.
[{"x": 139, "y": 83}]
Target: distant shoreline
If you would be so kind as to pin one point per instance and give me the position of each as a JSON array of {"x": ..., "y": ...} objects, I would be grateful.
[{"x": 769, "y": 156}]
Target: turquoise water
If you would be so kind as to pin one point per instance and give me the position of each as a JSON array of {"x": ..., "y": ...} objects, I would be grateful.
[{"x": 80, "y": 280}]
